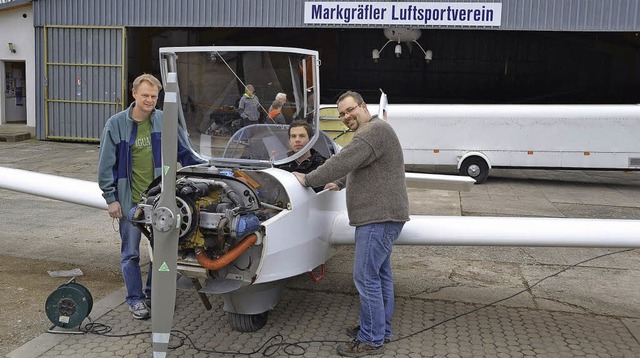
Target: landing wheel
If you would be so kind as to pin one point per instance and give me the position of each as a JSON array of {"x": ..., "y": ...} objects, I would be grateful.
[
  {"x": 475, "y": 167},
  {"x": 247, "y": 322}
]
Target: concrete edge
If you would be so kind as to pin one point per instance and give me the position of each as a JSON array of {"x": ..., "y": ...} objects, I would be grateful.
[
  {"x": 44, "y": 342},
  {"x": 633, "y": 325}
]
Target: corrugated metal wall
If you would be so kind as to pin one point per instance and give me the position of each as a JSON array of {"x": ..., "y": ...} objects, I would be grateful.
[
  {"x": 174, "y": 13},
  {"x": 571, "y": 15},
  {"x": 537, "y": 15}
]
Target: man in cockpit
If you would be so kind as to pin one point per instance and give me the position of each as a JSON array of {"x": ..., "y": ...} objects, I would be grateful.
[{"x": 299, "y": 136}]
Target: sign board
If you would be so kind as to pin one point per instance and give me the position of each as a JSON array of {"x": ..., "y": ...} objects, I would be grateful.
[{"x": 403, "y": 13}]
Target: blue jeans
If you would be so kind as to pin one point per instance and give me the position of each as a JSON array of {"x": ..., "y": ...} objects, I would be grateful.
[
  {"x": 130, "y": 263},
  {"x": 373, "y": 279}
]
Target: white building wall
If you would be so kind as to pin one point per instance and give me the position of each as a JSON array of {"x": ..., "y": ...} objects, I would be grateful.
[{"x": 16, "y": 26}]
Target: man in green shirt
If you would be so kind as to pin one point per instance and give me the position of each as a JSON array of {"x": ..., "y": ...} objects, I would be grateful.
[{"x": 130, "y": 158}]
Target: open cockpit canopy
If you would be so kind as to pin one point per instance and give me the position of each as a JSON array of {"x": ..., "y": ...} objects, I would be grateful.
[{"x": 223, "y": 123}]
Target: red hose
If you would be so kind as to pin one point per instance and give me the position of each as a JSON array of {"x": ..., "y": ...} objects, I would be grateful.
[{"x": 227, "y": 258}]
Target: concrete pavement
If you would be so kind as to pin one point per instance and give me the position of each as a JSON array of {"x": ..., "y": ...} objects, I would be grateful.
[{"x": 447, "y": 297}]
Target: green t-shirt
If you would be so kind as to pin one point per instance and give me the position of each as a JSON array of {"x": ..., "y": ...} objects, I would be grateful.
[{"x": 142, "y": 168}]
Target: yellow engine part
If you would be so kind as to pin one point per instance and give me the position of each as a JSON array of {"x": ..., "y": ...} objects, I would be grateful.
[{"x": 196, "y": 240}]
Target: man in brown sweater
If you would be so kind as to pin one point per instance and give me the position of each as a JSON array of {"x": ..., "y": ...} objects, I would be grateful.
[{"x": 371, "y": 168}]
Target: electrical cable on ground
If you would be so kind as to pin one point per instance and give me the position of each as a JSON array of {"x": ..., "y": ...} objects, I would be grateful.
[
  {"x": 295, "y": 348},
  {"x": 511, "y": 296}
]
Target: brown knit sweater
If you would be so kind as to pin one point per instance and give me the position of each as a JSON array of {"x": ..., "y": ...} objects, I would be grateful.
[{"x": 374, "y": 167}]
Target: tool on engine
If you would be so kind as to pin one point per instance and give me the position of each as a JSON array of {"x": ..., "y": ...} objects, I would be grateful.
[{"x": 247, "y": 178}]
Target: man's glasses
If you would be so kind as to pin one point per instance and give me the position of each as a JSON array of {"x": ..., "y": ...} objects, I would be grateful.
[{"x": 347, "y": 111}]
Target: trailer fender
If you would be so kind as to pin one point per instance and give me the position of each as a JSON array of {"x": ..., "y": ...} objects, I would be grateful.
[
  {"x": 475, "y": 165},
  {"x": 473, "y": 154}
]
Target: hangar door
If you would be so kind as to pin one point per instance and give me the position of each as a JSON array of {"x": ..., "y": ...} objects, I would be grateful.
[{"x": 84, "y": 80}]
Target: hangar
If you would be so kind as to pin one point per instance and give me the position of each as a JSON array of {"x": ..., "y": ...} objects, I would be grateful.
[{"x": 85, "y": 53}]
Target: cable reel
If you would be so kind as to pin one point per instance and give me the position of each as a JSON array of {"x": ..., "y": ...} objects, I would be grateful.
[{"x": 68, "y": 305}]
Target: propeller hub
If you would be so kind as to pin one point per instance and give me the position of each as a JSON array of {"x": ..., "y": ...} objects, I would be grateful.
[{"x": 163, "y": 219}]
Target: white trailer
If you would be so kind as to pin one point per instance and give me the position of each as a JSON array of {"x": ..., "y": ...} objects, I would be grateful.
[{"x": 472, "y": 139}]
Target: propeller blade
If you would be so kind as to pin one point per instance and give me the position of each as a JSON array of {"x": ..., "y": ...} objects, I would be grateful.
[{"x": 165, "y": 228}]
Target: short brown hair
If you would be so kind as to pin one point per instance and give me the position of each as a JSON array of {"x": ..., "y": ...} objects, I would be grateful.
[
  {"x": 150, "y": 79},
  {"x": 304, "y": 124},
  {"x": 355, "y": 95}
]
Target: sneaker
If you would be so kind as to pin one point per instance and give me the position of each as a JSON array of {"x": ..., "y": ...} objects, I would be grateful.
[
  {"x": 352, "y": 332},
  {"x": 140, "y": 311},
  {"x": 358, "y": 349},
  {"x": 147, "y": 302}
]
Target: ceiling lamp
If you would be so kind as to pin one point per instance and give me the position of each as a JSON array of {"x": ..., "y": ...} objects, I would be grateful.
[{"x": 400, "y": 35}]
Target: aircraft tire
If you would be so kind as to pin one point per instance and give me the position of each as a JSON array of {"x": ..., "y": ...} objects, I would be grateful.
[
  {"x": 476, "y": 168},
  {"x": 247, "y": 322}
]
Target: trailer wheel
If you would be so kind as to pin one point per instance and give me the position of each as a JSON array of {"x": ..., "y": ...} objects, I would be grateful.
[{"x": 475, "y": 167}]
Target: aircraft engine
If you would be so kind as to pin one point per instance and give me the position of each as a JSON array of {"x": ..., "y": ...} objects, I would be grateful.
[{"x": 218, "y": 218}]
